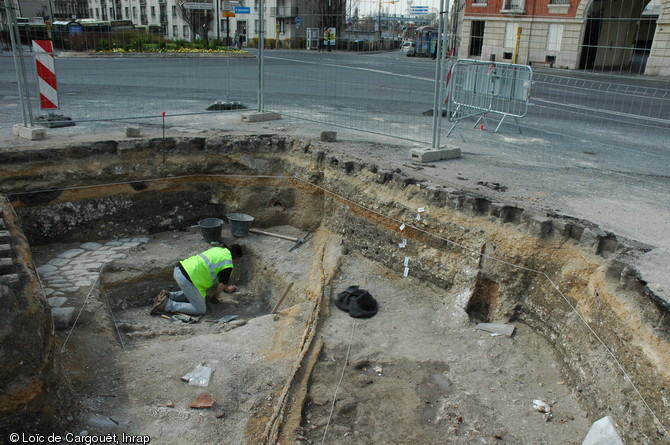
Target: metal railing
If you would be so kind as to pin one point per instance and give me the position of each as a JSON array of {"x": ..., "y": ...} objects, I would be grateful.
[{"x": 479, "y": 89}]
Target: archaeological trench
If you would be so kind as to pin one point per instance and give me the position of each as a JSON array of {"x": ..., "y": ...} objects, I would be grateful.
[{"x": 563, "y": 280}]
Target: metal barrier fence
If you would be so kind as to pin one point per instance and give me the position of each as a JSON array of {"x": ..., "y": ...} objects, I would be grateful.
[
  {"x": 479, "y": 89},
  {"x": 621, "y": 100}
]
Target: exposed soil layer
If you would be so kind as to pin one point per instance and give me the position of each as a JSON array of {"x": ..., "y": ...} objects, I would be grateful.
[
  {"x": 419, "y": 370},
  {"x": 438, "y": 260}
]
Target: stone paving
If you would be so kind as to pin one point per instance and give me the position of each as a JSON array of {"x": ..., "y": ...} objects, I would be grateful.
[{"x": 65, "y": 275}]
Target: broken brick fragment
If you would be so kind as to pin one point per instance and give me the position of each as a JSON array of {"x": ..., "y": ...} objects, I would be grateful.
[{"x": 203, "y": 401}]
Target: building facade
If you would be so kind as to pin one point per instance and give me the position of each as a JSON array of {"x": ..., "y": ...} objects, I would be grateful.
[
  {"x": 614, "y": 35},
  {"x": 285, "y": 20}
]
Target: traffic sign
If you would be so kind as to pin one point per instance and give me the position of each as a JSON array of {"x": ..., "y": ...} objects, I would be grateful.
[
  {"x": 297, "y": 20},
  {"x": 418, "y": 10},
  {"x": 197, "y": 5},
  {"x": 230, "y": 5},
  {"x": 242, "y": 10}
]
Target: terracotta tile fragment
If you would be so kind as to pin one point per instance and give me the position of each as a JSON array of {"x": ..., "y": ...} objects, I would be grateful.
[{"x": 203, "y": 401}]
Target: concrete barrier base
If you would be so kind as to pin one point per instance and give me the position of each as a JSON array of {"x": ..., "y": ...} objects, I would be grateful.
[
  {"x": 31, "y": 133},
  {"x": 260, "y": 116},
  {"x": 432, "y": 154}
]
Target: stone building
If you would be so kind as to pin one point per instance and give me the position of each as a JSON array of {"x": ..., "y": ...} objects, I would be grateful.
[{"x": 617, "y": 35}]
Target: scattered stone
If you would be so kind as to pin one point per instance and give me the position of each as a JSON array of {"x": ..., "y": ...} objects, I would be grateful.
[
  {"x": 133, "y": 132},
  {"x": 218, "y": 411},
  {"x": 346, "y": 406},
  {"x": 91, "y": 246},
  {"x": 56, "y": 301},
  {"x": 493, "y": 186},
  {"x": 71, "y": 253},
  {"x": 46, "y": 268},
  {"x": 328, "y": 136}
]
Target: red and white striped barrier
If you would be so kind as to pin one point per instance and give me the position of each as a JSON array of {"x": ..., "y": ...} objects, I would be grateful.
[{"x": 46, "y": 74}]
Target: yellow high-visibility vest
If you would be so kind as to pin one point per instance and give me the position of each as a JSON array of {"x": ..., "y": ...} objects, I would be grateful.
[{"x": 204, "y": 267}]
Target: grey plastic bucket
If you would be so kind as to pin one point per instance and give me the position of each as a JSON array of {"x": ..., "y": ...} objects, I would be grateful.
[
  {"x": 240, "y": 224},
  {"x": 211, "y": 229}
]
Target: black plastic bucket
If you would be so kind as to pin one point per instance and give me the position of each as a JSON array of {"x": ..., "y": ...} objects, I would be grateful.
[
  {"x": 211, "y": 229},
  {"x": 240, "y": 224}
]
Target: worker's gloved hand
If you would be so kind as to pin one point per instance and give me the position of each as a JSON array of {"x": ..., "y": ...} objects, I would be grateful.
[{"x": 230, "y": 289}]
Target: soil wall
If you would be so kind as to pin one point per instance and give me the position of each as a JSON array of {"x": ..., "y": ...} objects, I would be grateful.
[{"x": 34, "y": 392}]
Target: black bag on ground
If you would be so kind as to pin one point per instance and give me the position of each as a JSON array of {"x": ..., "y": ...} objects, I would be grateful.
[{"x": 357, "y": 302}]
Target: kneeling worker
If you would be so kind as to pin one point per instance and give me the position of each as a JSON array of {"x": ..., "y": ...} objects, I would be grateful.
[{"x": 195, "y": 275}]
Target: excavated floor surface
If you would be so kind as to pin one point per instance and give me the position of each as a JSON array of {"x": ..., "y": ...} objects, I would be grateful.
[{"x": 417, "y": 372}]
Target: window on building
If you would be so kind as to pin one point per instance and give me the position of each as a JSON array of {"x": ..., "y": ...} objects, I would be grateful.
[
  {"x": 134, "y": 12},
  {"x": 559, "y": 2},
  {"x": 174, "y": 11},
  {"x": 510, "y": 35},
  {"x": 186, "y": 32},
  {"x": 175, "y": 33},
  {"x": 97, "y": 13},
  {"x": 513, "y": 5},
  {"x": 256, "y": 26},
  {"x": 153, "y": 11},
  {"x": 127, "y": 13},
  {"x": 476, "y": 38},
  {"x": 554, "y": 37}
]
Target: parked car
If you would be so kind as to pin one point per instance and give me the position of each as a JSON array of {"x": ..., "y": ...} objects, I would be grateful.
[{"x": 408, "y": 49}]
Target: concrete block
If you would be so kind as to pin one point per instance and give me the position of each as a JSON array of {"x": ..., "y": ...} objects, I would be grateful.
[
  {"x": 62, "y": 316},
  {"x": 431, "y": 154},
  {"x": 539, "y": 225},
  {"x": 30, "y": 133},
  {"x": 260, "y": 116},
  {"x": 133, "y": 132},
  {"x": 328, "y": 136}
]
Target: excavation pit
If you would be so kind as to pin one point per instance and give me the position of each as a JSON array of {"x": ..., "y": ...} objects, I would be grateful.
[{"x": 418, "y": 371}]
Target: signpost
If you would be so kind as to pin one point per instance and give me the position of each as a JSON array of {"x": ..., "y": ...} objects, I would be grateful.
[
  {"x": 229, "y": 8},
  {"x": 242, "y": 10},
  {"x": 198, "y": 5}
]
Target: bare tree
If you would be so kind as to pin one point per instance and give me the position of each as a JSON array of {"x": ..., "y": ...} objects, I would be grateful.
[
  {"x": 331, "y": 11},
  {"x": 196, "y": 19}
]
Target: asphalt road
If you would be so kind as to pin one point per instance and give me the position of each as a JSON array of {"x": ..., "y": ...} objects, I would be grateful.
[{"x": 564, "y": 158}]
